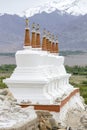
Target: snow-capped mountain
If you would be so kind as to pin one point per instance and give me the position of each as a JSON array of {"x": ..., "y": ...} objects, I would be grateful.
[
  {"x": 73, "y": 7},
  {"x": 65, "y": 18}
]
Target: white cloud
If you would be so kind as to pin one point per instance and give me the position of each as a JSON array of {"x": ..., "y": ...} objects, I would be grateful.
[{"x": 18, "y": 6}]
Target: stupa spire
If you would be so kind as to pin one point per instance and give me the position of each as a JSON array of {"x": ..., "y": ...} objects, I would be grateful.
[
  {"x": 47, "y": 41},
  {"x": 49, "y": 45},
  {"x": 27, "y": 23},
  {"x": 37, "y": 36},
  {"x": 44, "y": 40},
  {"x": 50, "y": 42},
  {"x": 56, "y": 45},
  {"x": 33, "y": 39},
  {"x": 52, "y": 45},
  {"x": 27, "y": 34}
]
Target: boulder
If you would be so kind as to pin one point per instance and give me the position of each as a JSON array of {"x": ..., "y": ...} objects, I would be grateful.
[
  {"x": 2, "y": 97},
  {"x": 83, "y": 120},
  {"x": 53, "y": 123},
  {"x": 42, "y": 126},
  {"x": 3, "y": 92}
]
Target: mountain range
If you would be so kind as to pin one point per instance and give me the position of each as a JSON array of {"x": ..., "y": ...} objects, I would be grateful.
[
  {"x": 72, "y": 7},
  {"x": 65, "y": 18}
]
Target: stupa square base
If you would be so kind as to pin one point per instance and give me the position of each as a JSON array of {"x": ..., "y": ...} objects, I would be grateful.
[{"x": 53, "y": 107}]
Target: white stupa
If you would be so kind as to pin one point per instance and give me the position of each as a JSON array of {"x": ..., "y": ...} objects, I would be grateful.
[{"x": 40, "y": 76}]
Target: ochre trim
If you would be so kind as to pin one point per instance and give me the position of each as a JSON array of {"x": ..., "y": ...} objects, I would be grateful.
[
  {"x": 52, "y": 47},
  {"x": 69, "y": 97},
  {"x": 37, "y": 40},
  {"x": 33, "y": 40},
  {"x": 44, "y": 44},
  {"x": 27, "y": 38},
  {"x": 47, "y": 44},
  {"x": 56, "y": 48}
]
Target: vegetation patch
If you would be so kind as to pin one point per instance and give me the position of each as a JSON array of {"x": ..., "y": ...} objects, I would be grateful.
[
  {"x": 77, "y": 70},
  {"x": 5, "y": 72},
  {"x": 7, "y": 68},
  {"x": 79, "y": 79}
]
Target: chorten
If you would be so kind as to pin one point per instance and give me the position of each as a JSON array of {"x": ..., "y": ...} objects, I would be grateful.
[
  {"x": 27, "y": 35},
  {"x": 40, "y": 78}
]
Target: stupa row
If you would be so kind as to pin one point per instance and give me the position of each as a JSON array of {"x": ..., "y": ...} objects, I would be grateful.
[
  {"x": 49, "y": 42},
  {"x": 40, "y": 77}
]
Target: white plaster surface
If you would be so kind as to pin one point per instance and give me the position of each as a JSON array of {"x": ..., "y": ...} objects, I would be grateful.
[
  {"x": 39, "y": 77},
  {"x": 75, "y": 104}
]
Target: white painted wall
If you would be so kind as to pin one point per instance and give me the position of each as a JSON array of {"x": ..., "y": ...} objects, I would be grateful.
[{"x": 39, "y": 77}]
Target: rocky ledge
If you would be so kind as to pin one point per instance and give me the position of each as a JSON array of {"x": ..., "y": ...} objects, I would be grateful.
[{"x": 13, "y": 117}]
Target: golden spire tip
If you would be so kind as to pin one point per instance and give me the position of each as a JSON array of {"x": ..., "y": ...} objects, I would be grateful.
[
  {"x": 38, "y": 27},
  {"x": 33, "y": 26},
  {"x": 27, "y": 22}
]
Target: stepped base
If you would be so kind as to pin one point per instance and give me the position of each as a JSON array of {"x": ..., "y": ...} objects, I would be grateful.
[{"x": 56, "y": 107}]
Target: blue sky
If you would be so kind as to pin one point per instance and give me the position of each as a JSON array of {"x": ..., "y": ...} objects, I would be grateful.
[{"x": 18, "y": 6}]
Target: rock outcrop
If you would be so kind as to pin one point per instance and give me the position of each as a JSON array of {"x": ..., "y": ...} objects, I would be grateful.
[
  {"x": 47, "y": 122},
  {"x": 12, "y": 116}
]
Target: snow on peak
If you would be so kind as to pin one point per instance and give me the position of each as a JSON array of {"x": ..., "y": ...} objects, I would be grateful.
[
  {"x": 73, "y": 7},
  {"x": 1, "y": 14},
  {"x": 47, "y": 7}
]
